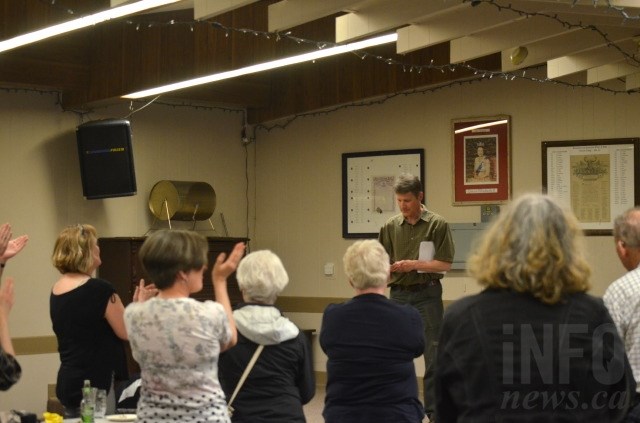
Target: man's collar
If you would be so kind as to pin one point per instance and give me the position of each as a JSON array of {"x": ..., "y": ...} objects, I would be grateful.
[{"x": 423, "y": 212}]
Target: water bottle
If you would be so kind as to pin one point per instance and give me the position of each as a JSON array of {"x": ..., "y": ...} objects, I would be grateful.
[{"x": 87, "y": 405}]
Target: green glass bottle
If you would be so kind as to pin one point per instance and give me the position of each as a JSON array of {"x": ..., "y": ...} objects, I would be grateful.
[{"x": 87, "y": 403}]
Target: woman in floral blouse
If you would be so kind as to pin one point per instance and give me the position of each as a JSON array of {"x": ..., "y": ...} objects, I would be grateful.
[{"x": 177, "y": 339}]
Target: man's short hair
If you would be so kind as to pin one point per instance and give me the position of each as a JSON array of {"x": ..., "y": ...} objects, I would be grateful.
[
  {"x": 407, "y": 183},
  {"x": 626, "y": 228}
]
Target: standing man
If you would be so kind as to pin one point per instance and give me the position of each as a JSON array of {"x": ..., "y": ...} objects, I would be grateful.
[
  {"x": 622, "y": 298},
  {"x": 417, "y": 282}
]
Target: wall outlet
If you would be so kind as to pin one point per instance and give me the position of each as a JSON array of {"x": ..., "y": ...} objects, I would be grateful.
[{"x": 328, "y": 269}]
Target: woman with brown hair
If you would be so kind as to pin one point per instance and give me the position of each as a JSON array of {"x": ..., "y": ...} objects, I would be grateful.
[
  {"x": 177, "y": 339},
  {"x": 533, "y": 346}
]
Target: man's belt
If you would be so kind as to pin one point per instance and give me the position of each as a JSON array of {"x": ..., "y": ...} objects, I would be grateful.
[{"x": 416, "y": 286}]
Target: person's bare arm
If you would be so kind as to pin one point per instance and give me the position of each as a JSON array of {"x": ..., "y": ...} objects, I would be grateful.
[
  {"x": 6, "y": 302},
  {"x": 115, "y": 316},
  {"x": 222, "y": 269}
]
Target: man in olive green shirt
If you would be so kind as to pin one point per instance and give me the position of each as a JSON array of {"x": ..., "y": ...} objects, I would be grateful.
[{"x": 413, "y": 281}]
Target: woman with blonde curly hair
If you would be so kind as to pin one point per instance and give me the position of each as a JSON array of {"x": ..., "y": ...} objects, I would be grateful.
[{"x": 532, "y": 346}]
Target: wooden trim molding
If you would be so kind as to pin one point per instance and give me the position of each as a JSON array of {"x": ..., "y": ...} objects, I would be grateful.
[
  {"x": 306, "y": 304},
  {"x": 315, "y": 304},
  {"x": 35, "y": 345}
]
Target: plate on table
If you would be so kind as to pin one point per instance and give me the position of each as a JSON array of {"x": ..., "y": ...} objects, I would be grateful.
[{"x": 121, "y": 417}]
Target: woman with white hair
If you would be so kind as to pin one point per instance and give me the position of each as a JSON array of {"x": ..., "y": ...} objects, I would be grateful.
[
  {"x": 282, "y": 379},
  {"x": 370, "y": 342}
]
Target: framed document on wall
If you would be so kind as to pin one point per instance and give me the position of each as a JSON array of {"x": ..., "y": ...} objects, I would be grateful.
[
  {"x": 481, "y": 160},
  {"x": 596, "y": 179},
  {"x": 368, "y": 199}
]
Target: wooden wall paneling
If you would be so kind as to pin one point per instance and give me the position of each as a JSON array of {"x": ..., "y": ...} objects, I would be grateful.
[
  {"x": 107, "y": 76},
  {"x": 54, "y": 63},
  {"x": 21, "y": 16},
  {"x": 177, "y": 56},
  {"x": 141, "y": 59},
  {"x": 248, "y": 49},
  {"x": 210, "y": 50},
  {"x": 351, "y": 75}
]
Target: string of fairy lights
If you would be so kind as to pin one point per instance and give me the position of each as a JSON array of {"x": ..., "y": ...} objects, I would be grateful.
[
  {"x": 478, "y": 74},
  {"x": 631, "y": 59}
]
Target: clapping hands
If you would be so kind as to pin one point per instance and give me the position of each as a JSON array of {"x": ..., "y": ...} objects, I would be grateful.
[
  {"x": 143, "y": 293},
  {"x": 10, "y": 247},
  {"x": 225, "y": 266}
]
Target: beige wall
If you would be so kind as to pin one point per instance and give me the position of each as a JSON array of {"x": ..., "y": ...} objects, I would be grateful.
[
  {"x": 298, "y": 171},
  {"x": 40, "y": 192},
  {"x": 295, "y": 183}
]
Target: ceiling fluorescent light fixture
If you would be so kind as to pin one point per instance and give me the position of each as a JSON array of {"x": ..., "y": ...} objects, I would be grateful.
[
  {"x": 85, "y": 21},
  {"x": 306, "y": 57},
  {"x": 482, "y": 125}
]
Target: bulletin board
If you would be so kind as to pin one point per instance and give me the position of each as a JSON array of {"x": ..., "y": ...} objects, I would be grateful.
[{"x": 368, "y": 199}]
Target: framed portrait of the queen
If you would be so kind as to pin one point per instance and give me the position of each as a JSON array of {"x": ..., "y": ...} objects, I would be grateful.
[{"x": 481, "y": 160}]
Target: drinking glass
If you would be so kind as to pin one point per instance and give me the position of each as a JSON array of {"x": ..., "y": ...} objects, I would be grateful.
[{"x": 100, "y": 404}]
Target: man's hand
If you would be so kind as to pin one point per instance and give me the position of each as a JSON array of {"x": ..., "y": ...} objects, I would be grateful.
[{"x": 403, "y": 266}]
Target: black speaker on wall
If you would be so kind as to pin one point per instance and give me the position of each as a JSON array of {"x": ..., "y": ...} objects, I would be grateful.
[{"x": 106, "y": 159}]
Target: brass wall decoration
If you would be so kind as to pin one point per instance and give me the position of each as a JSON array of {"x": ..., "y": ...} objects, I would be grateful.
[{"x": 182, "y": 201}]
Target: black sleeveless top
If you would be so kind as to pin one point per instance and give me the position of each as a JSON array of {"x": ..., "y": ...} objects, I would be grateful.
[{"x": 88, "y": 347}]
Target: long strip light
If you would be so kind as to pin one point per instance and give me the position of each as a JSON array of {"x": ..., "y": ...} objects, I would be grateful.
[
  {"x": 85, "y": 21},
  {"x": 305, "y": 57},
  {"x": 481, "y": 125}
]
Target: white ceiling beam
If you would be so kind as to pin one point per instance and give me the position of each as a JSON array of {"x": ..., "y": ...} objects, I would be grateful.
[
  {"x": 286, "y": 14},
  {"x": 448, "y": 26},
  {"x": 451, "y": 24},
  {"x": 587, "y": 59},
  {"x": 610, "y": 71},
  {"x": 205, "y": 9},
  {"x": 503, "y": 37},
  {"x": 598, "y": 3},
  {"x": 625, "y": 3},
  {"x": 180, "y": 5},
  {"x": 562, "y": 45},
  {"x": 632, "y": 82},
  {"x": 382, "y": 16}
]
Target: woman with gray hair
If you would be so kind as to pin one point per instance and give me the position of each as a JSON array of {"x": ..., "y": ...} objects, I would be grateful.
[
  {"x": 370, "y": 342},
  {"x": 532, "y": 346},
  {"x": 282, "y": 379}
]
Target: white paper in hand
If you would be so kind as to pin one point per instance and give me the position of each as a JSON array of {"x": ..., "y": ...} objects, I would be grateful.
[{"x": 426, "y": 253}]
